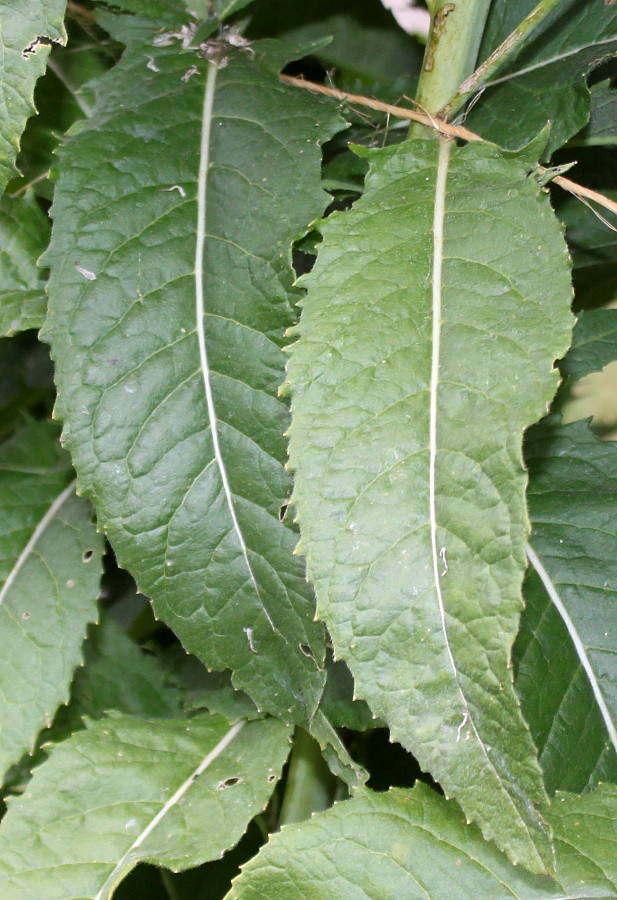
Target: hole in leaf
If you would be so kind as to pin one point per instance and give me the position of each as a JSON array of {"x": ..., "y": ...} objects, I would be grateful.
[
  {"x": 229, "y": 782},
  {"x": 88, "y": 554},
  {"x": 307, "y": 651}
]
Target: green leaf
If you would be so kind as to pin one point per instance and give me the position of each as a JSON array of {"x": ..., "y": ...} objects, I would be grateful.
[
  {"x": 172, "y": 792},
  {"x": 545, "y": 81},
  {"x": 170, "y": 291},
  {"x": 594, "y": 344},
  {"x": 416, "y": 845},
  {"x": 49, "y": 576},
  {"x": 567, "y": 673},
  {"x": 27, "y": 33},
  {"x": 450, "y": 271},
  {"x": 586, "y": 842},
  {"x": 339, "y": 703},
  {"x": 594, "y": 252},
  {"x": 117, "y": 675},
  {"x": 24, "y": 233},
  {"x": 602, "y": 126}
]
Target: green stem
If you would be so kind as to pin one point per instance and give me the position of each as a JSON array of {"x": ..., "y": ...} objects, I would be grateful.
[
  {"x": 166, "y": 878},
  {"x": 451, "y": 52},
  {"x": 499, "y": 57},
  {"x": 310, "y": 784}
]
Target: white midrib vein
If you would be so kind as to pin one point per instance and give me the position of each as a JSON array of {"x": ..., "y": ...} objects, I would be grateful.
[
  {"x": 202, "y": 190},
  {"x": 34, "y": 538},
  {"x": 439, "y": 210},
  {"x": 579, "y": 646},
  {"x": 169, "y": 804}
]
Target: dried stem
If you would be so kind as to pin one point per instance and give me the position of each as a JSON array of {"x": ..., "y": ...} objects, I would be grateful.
[{"x": 437, "y": 124}]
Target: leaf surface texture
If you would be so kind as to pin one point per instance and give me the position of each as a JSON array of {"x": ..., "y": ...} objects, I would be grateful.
[
  {"x": 414, "y": 844},
  {"x": 50, "y": 569},
  {"x": 170, "y": 291},
  {"x": 171, "y": 792},
  {"x": 26, "y": 34},
  {"x": 406, "y": 443},
  {"x": 545, "y": 80}
]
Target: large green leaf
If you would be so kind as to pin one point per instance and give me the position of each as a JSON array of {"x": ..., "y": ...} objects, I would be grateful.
[
  {"x": 170, "y": 290},
  {"x": 26, "y": 32},
  {"x": 416, "y": 845},
  {"x": 24, "y": 233},
  {"x": 172, "y": 792},
  {"x": 545, "y": 80},
  {"x": 406, "y": 441},
  {"x": 49, "y": 581}
]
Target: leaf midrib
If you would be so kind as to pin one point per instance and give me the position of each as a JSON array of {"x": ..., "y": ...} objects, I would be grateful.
[
  {"x": 111, "y": 880},
  {"x": 34, "y": 538},
  {"x": 200, "y": 241},
  {"x": 579, "y": 645},
  {"x": 438, "y": 554}
]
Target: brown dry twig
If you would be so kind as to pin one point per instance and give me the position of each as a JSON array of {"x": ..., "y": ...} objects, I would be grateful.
[{"x": 445, "y": 128}]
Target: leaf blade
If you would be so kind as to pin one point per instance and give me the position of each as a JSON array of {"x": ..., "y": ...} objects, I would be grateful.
[
  {"x": 202, "y": 427},
  {"x": 382, "y": 400},
  {"x": 27, "y": 35},
  {"x": 49, "y": 588},
  {"x": 414, "y": 844},
  {"x": 126, "y": 778}
]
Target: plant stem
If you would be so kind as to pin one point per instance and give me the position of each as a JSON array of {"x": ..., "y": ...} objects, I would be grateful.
[
  {"x": 310, "y": 784},
  {"x": 451, "y": 52},
  {"x": 500, "y": 56},
  {"x": 166, "y": 878}
]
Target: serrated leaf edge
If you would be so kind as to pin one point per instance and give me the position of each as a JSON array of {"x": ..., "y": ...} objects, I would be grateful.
[{"x": 119, "y": 869}]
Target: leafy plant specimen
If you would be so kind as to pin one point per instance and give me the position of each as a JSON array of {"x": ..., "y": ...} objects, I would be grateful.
[{"x": 310, "y": 590}]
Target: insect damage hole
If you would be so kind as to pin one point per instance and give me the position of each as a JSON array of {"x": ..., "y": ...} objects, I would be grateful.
[
  {"x": 40, "y": 41},
  {"x": 87, "y": 555},
  {"x": 229, "y": 782},
  {"x": 306, "y": 650}
]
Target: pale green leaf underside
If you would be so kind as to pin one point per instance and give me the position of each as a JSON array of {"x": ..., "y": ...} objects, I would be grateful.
[
  {"x": 170, "y": 291},
  {"x": 419, "y": 364},
  {"x": 24, "y": 29},
  {"x": 415, "y": 845},
  {"x": 172, "y": 792},
  {"x": 50, "y": 568}
]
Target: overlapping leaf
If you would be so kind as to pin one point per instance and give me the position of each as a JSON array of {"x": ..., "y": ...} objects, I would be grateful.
[
  {"x": 172, "y": 792},
  {"x": 545, "y": 81},
  {"x": 170, "y": 291},
  {"x": 24, "y": 232},
  {"x": 416, "y": 845},
  {"x": 567, "y": 672},
  {"x": 406, "y": 441},
  {"x": 26, "y": 33},
  {"x": 602, "y": 127},
  {"x": 49, "y": 576}
]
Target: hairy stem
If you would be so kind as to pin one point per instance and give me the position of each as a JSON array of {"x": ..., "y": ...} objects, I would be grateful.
[
  {"x": 310, "y": 784},
  {"x": 499, "y": 57},
  {"x": 451, "y": 52}
]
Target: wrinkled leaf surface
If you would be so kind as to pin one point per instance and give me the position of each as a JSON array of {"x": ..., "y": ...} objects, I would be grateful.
[{"x": 406, "y": 442}]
